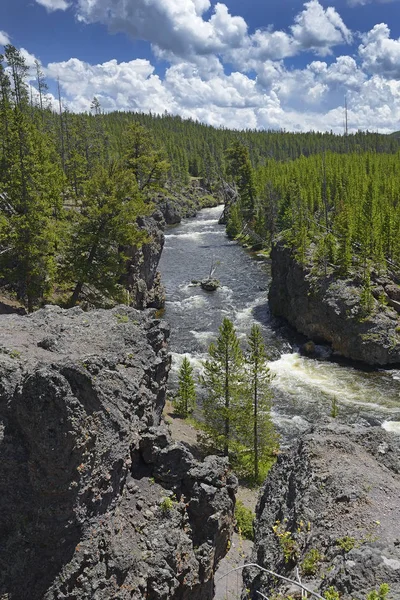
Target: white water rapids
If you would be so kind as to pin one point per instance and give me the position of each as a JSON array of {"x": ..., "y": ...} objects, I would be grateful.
[{"x": 304, "y": 388}]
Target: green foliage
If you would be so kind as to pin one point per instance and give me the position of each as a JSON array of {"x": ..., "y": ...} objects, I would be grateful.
[
  {"x": 185, "y": 398},
  {"x": 346, "y": 543},
  {"x": 255, "y": 429},
  {"x": 121, "y": 318},
  {"x": 235, "y": 223},
  {"x": 222, "y": 382},
  {"x": 332, "y": 594},
  {"x": 244, "y": 520},
  {"x": 334, "y": 408},
  {"x": 143, "y": 158},
  {"x": 166, "y": 505},
  {"x": 237, "y": 406},
  {"x": 241, "y": 171},
  {"x": 311, "y": 561},
  {"x": 286, "y": 540},
  {"x": 379, "y": 595},
  {"x": 104, "y": 225},
  {"x": 366, "y": 297}
]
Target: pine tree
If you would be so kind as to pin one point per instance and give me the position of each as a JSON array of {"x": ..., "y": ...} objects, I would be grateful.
[
  {"x": 242, "y": 173},
  {"x": 223, "y": 373},
  {"x": 185, "y": 398},
  {"x": 143, "y": 158},
  {"x": 105, "y": 223},
  {"x": 31, "y": 186},
  {"x": 257, "y": 431}
]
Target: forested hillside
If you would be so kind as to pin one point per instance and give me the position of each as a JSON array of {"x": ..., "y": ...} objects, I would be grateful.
[{"x": 73, "y": 185}]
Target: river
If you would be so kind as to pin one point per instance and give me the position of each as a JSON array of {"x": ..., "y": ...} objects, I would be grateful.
[{"x": 304, "y": 388}]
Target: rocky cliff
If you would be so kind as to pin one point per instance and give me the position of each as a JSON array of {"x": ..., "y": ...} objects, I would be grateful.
[
  {"x": 327, "y": 309},
  {"x": 96, "y": 502},
  {"x": 330, "y": 507},
  {"x": 142, "y": 279},
  {"x": 177, "y": 205}
]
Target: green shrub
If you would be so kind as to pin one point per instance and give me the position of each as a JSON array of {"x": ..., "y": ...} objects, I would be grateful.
[
  {"x": 166, "y": 505},
  {"x": 381, "y": 595},
  {"x": 332, "y": 594},
  {"x": 346, "y": 543},
  {"x": 121, "y": 318},
  {"x": 309, "y": 565},
  {"x": 244, "y": 520}
]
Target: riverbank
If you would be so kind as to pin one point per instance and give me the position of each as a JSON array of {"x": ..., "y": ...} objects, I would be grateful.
[
  {"x": 330, "y": 309},
  {"x": 304, "y": 387}
]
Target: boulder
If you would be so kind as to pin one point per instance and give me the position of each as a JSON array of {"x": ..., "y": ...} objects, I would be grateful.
[
  {"x": 210, "y": 284},
  {"x": 96, "y": 501}
]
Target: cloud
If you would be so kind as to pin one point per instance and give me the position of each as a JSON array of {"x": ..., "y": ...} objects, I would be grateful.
[
  {"x": 52, "y": 5},
  {"x": 379, "y": 53},
  {"x": 4, "y": 38},
  {"x": 364, "y": 2},
  {"x": 176, "y": 26},
  {"x": 119, "y": 86},
  {"x": 181, "y": 28},
  {"x": 319, "y": 29},
  {"x": 279, "y": 97}
]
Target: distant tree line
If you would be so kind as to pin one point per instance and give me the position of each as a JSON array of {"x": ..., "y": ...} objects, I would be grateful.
[{"x": 72, "y": 186}]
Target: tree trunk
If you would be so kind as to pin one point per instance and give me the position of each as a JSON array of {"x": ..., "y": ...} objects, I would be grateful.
[
  {"x": 256, "y": 474},
  {"x": 227, "y": 401}
]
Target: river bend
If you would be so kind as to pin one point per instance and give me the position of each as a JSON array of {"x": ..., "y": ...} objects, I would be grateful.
[{"x": 303, "y": 387}]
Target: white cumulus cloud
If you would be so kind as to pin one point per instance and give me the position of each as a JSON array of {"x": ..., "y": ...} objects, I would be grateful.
[
  {"x": 52, "y": 5},
  {"x": 4, "y": 38},
  {"x": 184, "y": 29},
  {"x": 279, "y": 97},
  {"x": 177, "y": 26},
  {"x": 319, "y": 29},
  {"x": 380, "y": 53}
]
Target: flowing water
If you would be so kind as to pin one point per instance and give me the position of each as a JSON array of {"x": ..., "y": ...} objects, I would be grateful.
[{"x": 304, "y": 388}]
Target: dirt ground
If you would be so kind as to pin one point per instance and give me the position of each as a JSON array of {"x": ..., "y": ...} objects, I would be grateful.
[{"x": 227, "y": 587}]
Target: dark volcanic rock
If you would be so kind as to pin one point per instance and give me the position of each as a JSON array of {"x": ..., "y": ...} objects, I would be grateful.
[
  {"x": 210, "y": 284},
  {"x": 143, "y": 280},
  {"x": 96, "y": 502},
  {"x": 328, "y": 310},
  {"x": 335, "y": 493},
  {"x": 177, "y": 205}
]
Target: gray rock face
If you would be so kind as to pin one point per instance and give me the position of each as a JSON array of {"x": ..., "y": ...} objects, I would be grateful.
[
  {"x": 186, "y": 203},
  {"x": 96, "y": 502},
  {"x": 143, "y": 280},
  {"x": 327, "y": 310},
  {"x": 335, "y": 494}
]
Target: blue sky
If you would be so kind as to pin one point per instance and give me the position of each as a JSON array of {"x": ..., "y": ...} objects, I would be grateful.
[{"x": 260, "y": 63}]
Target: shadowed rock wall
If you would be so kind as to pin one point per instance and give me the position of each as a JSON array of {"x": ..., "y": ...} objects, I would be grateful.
[{"x": 96, "y": 502}]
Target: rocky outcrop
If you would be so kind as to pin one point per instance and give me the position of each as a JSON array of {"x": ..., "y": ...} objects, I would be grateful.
[
  {"x": 96, "y": 502},
  {"x": 210, "y": 284},
  {"x": 330, "y": 508},
  {"x": 177, "y": 205},
  {"x": 327, "y": 309},
  {"x": 143, "y": 280}
]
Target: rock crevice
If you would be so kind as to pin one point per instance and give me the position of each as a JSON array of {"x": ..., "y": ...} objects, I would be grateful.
[{"x": 96, "y": 502}]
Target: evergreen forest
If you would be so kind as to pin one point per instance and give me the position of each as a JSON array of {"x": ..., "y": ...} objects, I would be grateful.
[{"x": 73, "y": 185}]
